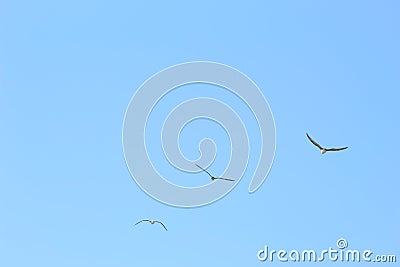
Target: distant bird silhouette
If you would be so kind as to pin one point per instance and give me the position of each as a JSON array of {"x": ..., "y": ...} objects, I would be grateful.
[
  {"x": 215, "y": 178},
  {"x": 324, "y": 150},
  {"x": 152, "y": 222}
]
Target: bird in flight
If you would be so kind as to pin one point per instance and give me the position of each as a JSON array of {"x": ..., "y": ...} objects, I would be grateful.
[
  {"x": 152, "y": 222},
  {"x": 323, "y": 149},
  {"x": 215, "y": 178}
]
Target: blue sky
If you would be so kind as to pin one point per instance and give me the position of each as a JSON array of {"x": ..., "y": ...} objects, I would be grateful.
[{"x": 69, "y": 69}]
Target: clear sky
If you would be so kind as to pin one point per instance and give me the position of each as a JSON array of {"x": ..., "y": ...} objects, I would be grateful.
[{"x": 68, "y": 70}]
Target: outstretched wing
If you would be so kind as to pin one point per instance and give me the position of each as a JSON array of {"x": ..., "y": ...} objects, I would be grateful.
[
  {"x": 204, "y": 170},
  {"x": 226, "y": 179},
  {"x": 162, "y": 225},
  {"x": 142, "y": 221},
  {"x": 314, "y": 143},
  {"x": 336, "y": 149}
]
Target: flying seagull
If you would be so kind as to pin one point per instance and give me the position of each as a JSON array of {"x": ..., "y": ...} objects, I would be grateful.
[
  {"x": 215, "y": 178},
  {"x": 152, "y": 222},
  {"x": 324, "y": 150}
]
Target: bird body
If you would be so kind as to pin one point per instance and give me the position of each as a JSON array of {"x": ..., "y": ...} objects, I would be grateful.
[
  {"x": 215, "y": 178},
  {"x": 323, "y": 149},
  {"x": 152, "y": 222}
]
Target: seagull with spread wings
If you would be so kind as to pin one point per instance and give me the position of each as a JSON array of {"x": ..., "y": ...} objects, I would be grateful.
[
  {"x": 323, "y": 149},
  {"x": 152, "y": 222},
  {"x": 215, "y": 178}
]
